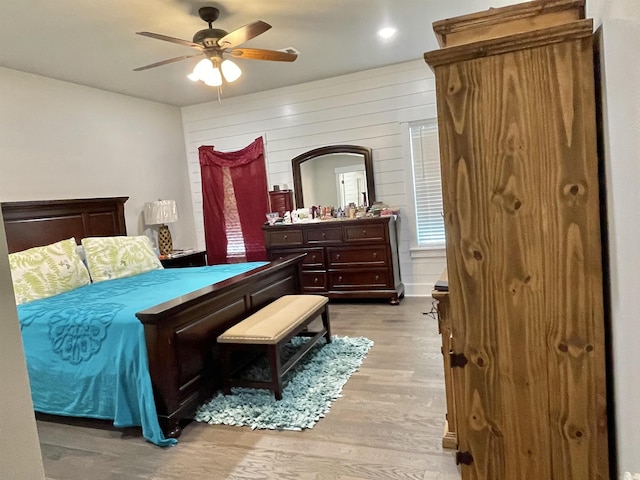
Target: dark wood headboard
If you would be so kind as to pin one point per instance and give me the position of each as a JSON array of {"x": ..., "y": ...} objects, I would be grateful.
[{"x": 36, "y": 223}]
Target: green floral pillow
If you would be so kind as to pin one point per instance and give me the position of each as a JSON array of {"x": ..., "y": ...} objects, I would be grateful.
[
  {"x": 116, "y": 257},
  {"x": 42, "y": 272}
]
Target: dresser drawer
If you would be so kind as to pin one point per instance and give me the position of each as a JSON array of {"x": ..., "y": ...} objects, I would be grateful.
[
  {"x": 314, "y": 258},
  {"x": 278, "y": 238},
  {"x": 364, "y": 233},
  {"x": 357, "y": 257},
  {"x": 314, "y": 281},
  {"x": 326, "y": 235},
  {"x": 359, "y": 279}
]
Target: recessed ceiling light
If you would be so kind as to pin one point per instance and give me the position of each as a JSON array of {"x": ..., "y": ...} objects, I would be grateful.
[{"x": 387, "y": 32}]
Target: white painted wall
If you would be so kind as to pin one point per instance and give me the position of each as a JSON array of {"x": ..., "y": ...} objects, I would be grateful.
[
  {"x": 620, "y": 22},
  {"x": 61, "y": 140},
  {"x": 20, "y": 456},
  {"x": 368, "y": 108}
]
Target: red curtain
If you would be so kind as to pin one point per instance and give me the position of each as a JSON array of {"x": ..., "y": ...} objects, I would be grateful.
[{"x": 235, "y": 200}]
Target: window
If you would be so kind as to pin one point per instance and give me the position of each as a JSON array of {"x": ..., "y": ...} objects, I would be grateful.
[{"x": 427, "y": 187}]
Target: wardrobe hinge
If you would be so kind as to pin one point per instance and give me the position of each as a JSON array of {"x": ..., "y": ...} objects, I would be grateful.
[
  {"x": 464, "y": 457},
  {"x": 457, "y": 359}
]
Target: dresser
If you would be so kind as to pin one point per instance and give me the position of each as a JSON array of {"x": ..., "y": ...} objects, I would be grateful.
[
  {"x": 519, "y": 160},
  {"x": 345, "y": 258}
]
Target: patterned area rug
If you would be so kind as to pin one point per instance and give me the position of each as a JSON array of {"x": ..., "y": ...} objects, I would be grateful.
[{"x": 309, "y": 389}]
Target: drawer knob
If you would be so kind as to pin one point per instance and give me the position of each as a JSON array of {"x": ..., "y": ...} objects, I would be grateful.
[
  {"x": 313, "y": 257},
  {"x": 377, "y": 277},
  {"x": 375, "y": 254},
  {"x": 324, "y": 234},
  {"x": 364, "y": 232},
  {"x": 340, "y": 278},
  {"x": 337, "y": 256},
  {"x": 315, "y": 280}
]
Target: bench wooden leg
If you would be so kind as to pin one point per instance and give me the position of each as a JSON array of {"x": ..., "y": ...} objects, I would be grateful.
[
  {"x": 225, "y": 364},
  {"x": 274, "y": 364},
  {"x": 326, "y": 323}
]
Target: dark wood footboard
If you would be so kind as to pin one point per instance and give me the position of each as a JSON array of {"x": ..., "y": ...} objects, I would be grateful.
[{"x": 181, "y": 335}]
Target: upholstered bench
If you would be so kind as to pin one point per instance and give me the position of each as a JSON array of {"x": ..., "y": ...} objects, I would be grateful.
[{"x": 269, "y": 329}]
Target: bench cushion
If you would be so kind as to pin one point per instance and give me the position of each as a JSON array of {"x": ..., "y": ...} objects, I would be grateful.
[{"x": 275, "y": 321}]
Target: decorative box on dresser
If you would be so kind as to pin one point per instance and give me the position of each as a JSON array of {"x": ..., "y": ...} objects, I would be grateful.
[
  {"x": 518, "y": 146},
  {"x": 281, "y": 201},
  {"x": 345, "y": 258}
]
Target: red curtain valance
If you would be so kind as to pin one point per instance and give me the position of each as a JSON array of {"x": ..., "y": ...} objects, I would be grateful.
[{"x": 235, "y": 200}]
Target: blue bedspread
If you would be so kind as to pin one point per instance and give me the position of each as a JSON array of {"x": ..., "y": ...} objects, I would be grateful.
[{"x": 86, "y": 351}]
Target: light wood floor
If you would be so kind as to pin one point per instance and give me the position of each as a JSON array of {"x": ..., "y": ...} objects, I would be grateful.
[{"x": 388, "y": 425}]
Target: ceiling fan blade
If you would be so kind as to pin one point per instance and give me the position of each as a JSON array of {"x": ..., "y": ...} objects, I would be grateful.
[
  {"x": 164, "y": 62},
  {"x": 259, "y": 54},
  {"x": 166, "y": 38},
  {"x": 243, "y": 34}
]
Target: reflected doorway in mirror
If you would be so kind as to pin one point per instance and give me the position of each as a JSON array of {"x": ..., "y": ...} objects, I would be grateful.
[{"x": 351, "y": 184}]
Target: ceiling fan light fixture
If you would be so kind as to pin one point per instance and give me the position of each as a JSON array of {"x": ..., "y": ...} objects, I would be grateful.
[
  {"x": 230, "y": 71},
  {"x": 213, "y": 43}
]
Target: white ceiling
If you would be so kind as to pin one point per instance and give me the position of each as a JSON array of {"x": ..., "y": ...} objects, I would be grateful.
[{"x": 93, "y": 42}]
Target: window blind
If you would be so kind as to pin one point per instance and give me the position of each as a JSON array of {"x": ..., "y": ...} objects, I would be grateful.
[{"x": 427, "y": 187}]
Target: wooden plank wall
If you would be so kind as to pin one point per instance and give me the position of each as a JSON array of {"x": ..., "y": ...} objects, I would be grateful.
[{"x": 369, "y": 108}]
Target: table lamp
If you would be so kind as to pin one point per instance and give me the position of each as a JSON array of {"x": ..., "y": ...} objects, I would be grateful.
[{"x": 160, "y": 213}]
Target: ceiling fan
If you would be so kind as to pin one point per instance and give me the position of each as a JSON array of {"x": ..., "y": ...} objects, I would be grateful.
[{"x": 214, "y": 44}]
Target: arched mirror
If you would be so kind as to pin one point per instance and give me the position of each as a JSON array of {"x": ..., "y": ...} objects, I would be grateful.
[{"x": 334, "y": 176}]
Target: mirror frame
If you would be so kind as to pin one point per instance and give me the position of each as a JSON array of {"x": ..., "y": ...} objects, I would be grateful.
[{"x": 366, "y": 152}]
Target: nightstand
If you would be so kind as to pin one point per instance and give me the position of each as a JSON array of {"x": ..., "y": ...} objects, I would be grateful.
[{"x": 188, "y": 259}]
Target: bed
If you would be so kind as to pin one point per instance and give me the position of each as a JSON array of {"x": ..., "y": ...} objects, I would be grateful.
[{"x": 177, "y": 336}]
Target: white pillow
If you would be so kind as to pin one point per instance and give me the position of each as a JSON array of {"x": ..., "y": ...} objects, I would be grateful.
[
  {"x": 116, "y": 257},
  {"x": 42, "y": 272}
]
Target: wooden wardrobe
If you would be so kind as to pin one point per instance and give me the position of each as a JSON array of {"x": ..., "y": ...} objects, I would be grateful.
[{"x": 517, "y": 129}]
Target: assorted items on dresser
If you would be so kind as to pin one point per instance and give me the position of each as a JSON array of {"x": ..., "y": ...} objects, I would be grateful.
[{"x": 317, "y": 213}]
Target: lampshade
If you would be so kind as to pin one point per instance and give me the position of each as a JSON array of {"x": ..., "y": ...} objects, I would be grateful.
[
  {"x": 209, "y": 73},
  {"x": 160, "y": 212},
  {"x": 230, "y": 71}
]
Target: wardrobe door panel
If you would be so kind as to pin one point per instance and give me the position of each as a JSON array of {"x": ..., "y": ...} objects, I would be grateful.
[{"x": 521, "y": 204}]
